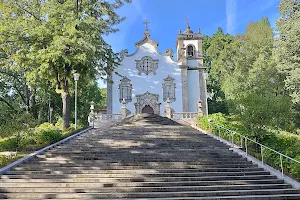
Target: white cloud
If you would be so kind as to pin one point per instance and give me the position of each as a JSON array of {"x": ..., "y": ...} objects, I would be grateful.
[
  {"x": 132, "y": 12},
  {"x": 231, "y": 16}
]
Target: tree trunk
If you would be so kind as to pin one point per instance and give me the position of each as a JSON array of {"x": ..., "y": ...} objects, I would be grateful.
[
  {"x": 33, "y": 104},
  {"x": 66, "y": 100}
]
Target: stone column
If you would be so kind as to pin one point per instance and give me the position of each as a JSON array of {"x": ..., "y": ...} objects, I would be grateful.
[
  {"x": 123, "y": 110},
  {"x": 184, "y": 80},
  {"x": 109, "y": 94},
  {"x": 200, "y": 112},
  {"x": 92, "y": 115},
  {"x": 203, "y": 91},
  {"x": 168, "y": 109}
]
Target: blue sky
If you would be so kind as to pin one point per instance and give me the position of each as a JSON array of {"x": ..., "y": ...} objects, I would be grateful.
[{"x": 168, "y": 16}]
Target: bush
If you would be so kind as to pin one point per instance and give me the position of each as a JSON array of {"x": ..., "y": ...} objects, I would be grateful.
[
  {"x": 59, "y": 123},
  {"x": 217, "y": 118},
  {"x": 10, "y": 144},
  {"x": 46, "y": 126},
  {"x": 47, "y": 137},
  {"x": 5, "y": 160}
]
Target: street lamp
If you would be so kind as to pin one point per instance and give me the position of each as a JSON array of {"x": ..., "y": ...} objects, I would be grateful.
[
  {"x": 206, "y": 103},
  {"x": 76, "y": 78},
  {"x": 50, "y": 117}
]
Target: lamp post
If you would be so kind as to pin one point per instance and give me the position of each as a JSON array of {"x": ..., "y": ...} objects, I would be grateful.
[
  {"x": 206, "y": 103},
  {"x": 50, "y": 117},
  {"x": 76, "y": 78}
]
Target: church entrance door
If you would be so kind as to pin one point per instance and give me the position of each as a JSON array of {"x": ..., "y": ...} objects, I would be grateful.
[
  {"x": 147, "y": 103},
  {"x": 148, "y": 109}
]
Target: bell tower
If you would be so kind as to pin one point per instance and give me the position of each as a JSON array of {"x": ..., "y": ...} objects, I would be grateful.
[{"x": 190, "y": 58}]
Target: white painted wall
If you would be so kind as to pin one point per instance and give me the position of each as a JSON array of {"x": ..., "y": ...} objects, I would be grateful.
[
  {"x": 192, "y": 63},
  {"x": 151, "y": 83},
  {"x": 193, "y": 90}
]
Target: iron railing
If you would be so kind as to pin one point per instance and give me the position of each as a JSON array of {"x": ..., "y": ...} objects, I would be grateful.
[{"x": 258, "y": 150}]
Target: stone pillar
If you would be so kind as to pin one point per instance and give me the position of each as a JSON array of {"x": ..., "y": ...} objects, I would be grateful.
[
  {"x": 123, "y": 110},
  {"x": 92, "y": 115},
  {"x": 184, "y": 80},
  {"x": 168, "y": 109},
  {"x": 203, "y": 90},
  {"x": 200, "y": 112},
  {"x": 109, "y": 94}
]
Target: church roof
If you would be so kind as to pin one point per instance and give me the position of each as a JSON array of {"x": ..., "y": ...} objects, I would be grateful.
[
  {"x": 188, "y": 30},
  {"x": 146, "y": 39}
]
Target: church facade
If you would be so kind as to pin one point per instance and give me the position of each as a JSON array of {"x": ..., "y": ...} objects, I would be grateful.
[{"x": 146, "y": 78}]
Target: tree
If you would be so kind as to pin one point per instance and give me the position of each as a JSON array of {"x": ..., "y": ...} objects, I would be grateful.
[
  {"x": 250, "y": 81},
  {"x": 212, "y": 48},
  {"x": 287, "y": 46},
  {"x": 50, "y": 40}
]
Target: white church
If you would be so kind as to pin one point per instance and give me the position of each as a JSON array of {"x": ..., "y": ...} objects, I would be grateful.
[{"x": 146, "y": 78}]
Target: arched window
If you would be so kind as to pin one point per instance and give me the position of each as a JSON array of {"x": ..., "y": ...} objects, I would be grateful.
[
  {"x": 125, "y": 88},
  {"x": 190, "y": 51}
]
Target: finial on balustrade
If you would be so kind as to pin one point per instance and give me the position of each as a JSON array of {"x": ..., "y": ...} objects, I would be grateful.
[{"x": 200, "y": 112}]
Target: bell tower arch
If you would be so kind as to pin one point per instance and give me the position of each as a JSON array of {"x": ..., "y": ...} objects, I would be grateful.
[{"x": 190, "y": 58}]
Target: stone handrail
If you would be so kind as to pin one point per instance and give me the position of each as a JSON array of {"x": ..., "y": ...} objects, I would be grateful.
[{"x": 185, "y": 115}]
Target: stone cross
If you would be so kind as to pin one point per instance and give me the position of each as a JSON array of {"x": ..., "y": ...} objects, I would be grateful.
[
  {"x": 146, "y": 23},
  {"x": 187, "y": 21}
]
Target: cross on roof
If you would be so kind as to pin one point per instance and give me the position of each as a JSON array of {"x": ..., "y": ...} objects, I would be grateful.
[
  {"x": 187, "y": 21},
  {"x": 146, "y": 23}
]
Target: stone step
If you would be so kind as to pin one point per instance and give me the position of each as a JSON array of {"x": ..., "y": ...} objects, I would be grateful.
[
  {"x": 247, "y": 197},
  {"x": 127, "y": 175},
  {"x": 100, "y": 169},
  {"x": 60, "y": 184},
  {"x": 105, "y": 150},
  {"x": 142, "y": 161},
  {"x": 65, "y": 178},
  {"x": 124, "y": 163},
  {"x": 150, "y": 194},
  {"x": 130, "y": 174},
  {"x": 133, "y": 159},
  {"x": 144, "y": 189}
]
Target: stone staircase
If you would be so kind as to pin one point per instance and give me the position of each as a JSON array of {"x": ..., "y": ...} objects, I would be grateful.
[{"x": 143, "y": 157}]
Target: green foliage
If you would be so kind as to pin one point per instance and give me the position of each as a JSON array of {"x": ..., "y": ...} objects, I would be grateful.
[
  {"x": 45, "y": 126},
  {"x": 287, "y": 45},
  {"x": 48, "y": 41},
  {"x": 47, "y": 137},
  {"x": 15, "y": 123},
  {"x": 284, "y": 142},
  {"x": 5, "y": 160}
]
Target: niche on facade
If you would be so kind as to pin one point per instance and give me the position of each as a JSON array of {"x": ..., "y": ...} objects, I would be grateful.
[
  {"x": 169, "y": 89},
  {"x": 125, "y": 88},
  {"x": 146, "y": 65},
  {"x": 190, "y": 51}
]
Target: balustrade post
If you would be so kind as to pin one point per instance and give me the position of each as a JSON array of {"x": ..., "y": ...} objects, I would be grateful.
[
  {"x": 200, "y": 112},
  {"x": 92, "y": 115},
  {"x": 123, "y": 110},
  {"x": 168, "y": 109}
]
